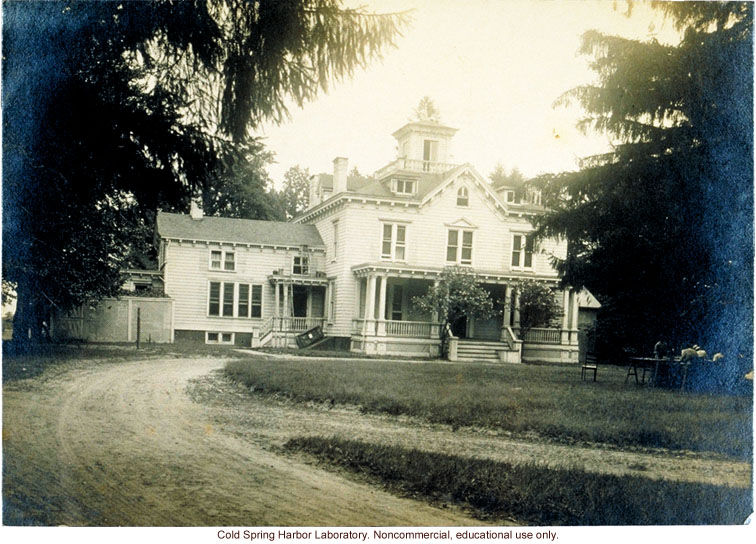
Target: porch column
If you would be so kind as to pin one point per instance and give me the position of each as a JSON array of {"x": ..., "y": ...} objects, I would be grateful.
[
  {"x": 507, "y": 312},
  {"x": 276, "y": 307},
  {"x": 382, "y": 306},
  {"x": 370, "y": 305},
  {"x": 286, "y": 300},
  {"x": 565, "y": 335},
  {"x": 516, "y": 310},
  {"x": 574, "y": 315},
  {"x": 434, "y": 328}
]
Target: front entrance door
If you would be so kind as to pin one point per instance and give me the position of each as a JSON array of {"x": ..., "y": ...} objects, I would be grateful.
[
  {"x": 299, "y": 301},
  {"x": 459, "y": 327}
]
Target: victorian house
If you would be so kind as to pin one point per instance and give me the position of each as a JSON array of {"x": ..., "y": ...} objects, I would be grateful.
[{"x": 355, "y": 259}]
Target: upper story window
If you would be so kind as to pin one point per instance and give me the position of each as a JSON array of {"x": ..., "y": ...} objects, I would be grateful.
[
  {"x": 394, "y": 242},
  {"x": 403, "y": 186},
  {"x": 459, "y": 246},
  {"x": 522, "y": 251},
  {"x": 301, "y": 265},
  {"x": 335, "y": 239},
  {"x": 222, "y": 260},
  {"x": 463, "y": 197}
]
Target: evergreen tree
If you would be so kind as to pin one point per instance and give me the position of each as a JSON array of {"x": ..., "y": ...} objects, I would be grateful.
[
  {"x": 661, "y": 227},
  {"x": 112, "y": 110},
  {"x": 295, "y": 196}
]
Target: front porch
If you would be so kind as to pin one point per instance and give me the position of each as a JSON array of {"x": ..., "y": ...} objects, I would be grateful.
[
  {"x": 388, "y": 323},
  {"x": 300, "y": 303}
]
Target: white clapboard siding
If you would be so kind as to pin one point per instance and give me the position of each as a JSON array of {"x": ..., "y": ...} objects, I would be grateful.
[{"x": 187, "y": 277}]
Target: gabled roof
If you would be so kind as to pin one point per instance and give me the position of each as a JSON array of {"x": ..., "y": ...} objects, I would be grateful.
[{"x": 244, "y": 231}]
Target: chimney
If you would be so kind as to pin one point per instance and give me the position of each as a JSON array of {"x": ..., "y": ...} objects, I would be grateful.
[
  {"x": 314, "y": 183},
  {"x": 195, "y": 209},
  {"x": 340, "y": 166}
]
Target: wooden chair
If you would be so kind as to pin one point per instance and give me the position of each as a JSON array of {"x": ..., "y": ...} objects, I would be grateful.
[{"x": 590, "y": 364}]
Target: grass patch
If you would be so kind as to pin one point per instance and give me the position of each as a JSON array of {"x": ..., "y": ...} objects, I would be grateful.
[
  {"x": 534, "y": 494},
  {"x": 549, "y": 400},
  {"x": 44, "y": 356},
  {"x": 335, "y": 354}
]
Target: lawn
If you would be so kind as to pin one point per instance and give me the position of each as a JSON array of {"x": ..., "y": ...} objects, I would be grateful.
[
  {"x": 550, "y": 401},
  {"x": 51, "y": 355},
  {"x": 530, "y": 493}
]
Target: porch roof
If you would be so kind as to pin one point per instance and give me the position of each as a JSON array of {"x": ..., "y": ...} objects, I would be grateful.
[
  {"x": 296, "y": 279},
  {"x": 400, "y": 270}
]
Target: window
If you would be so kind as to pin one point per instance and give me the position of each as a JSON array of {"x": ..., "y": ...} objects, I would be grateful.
[
  {"x": 430, "y": 153},
  {"x": 228, "y": 299},
  {"x": 459, "y": 246},
  {"x": 396, "y": 303},
  {"x": 222, "y": 260},
  {"x": 403, "y": 186},
  {"x": 243, "y": 305},
  {"x": 225, "y": 297},
  {"x": 394, "y": 242},
  {"x": 522, "y": 251},
  {"x": 514, "y": 197},
  {"x": 335, "y": 239},
  {"x": 463, "y": 197},
  {"x": 301, "y": 265},
  {"x": 256, "y": 303},
  {"x": 219, "y": 338},
  {"x": 214, "y": 304}
]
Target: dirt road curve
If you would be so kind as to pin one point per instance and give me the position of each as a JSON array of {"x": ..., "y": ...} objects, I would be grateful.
[
  {"x": 124, "y": 445},
  {"x": 170, "y": 442}
]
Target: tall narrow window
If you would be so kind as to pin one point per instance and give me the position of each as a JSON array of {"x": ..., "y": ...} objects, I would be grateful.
[
  {"x": 466, "y": 256},
  {"x": 243, "y": 305},
  {"x": 335, "y": 240},
  {"x": 393, "y": 242},
  {"x": 216, "y": 257},
  {"x": 228, "y": 299},
  {"x": 396, "y": 303},
  {"x": 459, "y": 246},
  {"x": 463, "y": 197},
  {"x": 452, "y": 244},
  {"x": 256, "y": 304},
  {"x": 228, "y": 262},
  {"x": 214, "y": 300}
]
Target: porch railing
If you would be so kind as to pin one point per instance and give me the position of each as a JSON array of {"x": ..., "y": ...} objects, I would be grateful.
[
  {"x": 412, "y": 329},
  {"x": 297, "y": 324},
  {"x": 266, "y": 327},
  {"x": 543, "y": 336},
  {"x": 432, "y": 167},
  {"x": 409, "y": 329}
]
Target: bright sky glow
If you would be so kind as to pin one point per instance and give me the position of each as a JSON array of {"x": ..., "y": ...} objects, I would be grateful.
[{"x": 493, "y": 69}]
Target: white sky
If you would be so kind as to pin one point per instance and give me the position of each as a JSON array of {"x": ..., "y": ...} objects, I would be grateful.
[{"x": 493, "y": 68}]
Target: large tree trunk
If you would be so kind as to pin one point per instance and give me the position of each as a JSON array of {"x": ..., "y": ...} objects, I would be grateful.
[{"x": 31, "y": 321}]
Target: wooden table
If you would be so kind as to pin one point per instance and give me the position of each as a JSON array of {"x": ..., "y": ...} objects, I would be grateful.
[{"x": 652, "y": 364}]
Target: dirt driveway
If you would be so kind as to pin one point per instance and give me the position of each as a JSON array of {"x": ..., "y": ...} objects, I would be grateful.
[{"x": 171, "y": 443}]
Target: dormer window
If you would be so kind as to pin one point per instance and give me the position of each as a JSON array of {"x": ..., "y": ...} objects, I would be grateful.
[
  {"x": 463, "y": 197},
  {"x": 403, "y": 186}
]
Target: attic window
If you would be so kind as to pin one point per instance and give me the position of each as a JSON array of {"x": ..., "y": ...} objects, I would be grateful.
[
  {"x": 403, "y": 186},
  {"x": 463, "y": 197}
]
